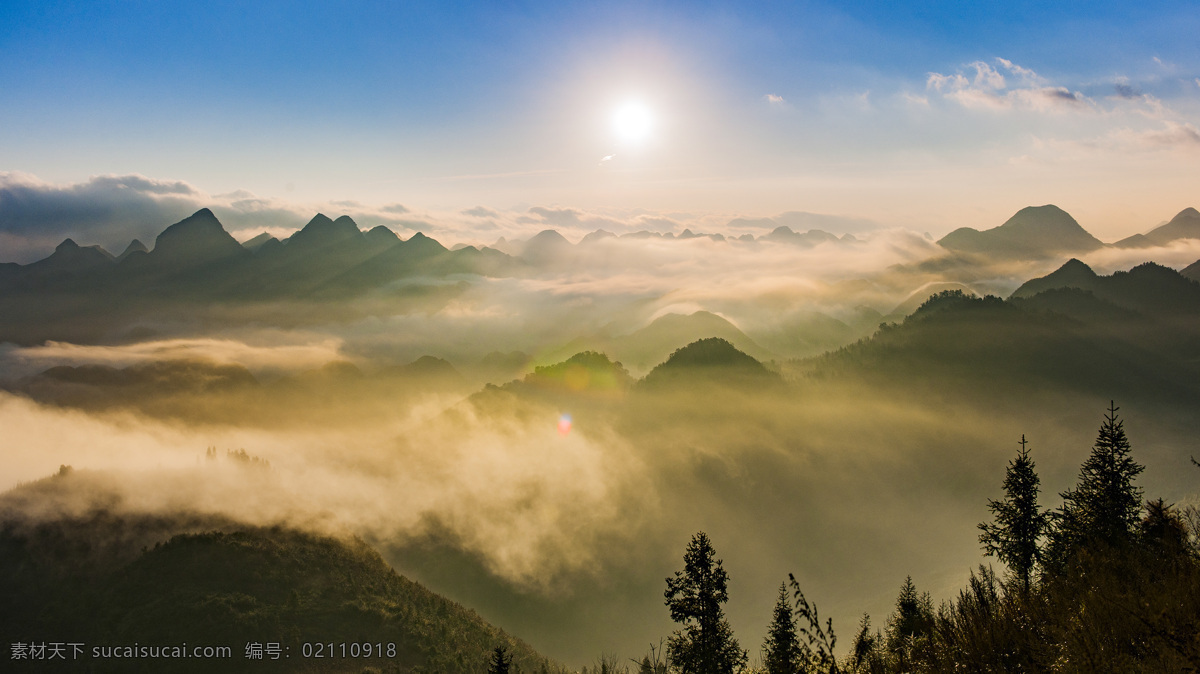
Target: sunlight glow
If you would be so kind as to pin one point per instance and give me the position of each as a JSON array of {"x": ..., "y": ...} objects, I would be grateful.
[{"x": 633, "y": 122}]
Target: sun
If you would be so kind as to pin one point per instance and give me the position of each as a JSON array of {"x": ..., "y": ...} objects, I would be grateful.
[{"x": 633, "y": 122}]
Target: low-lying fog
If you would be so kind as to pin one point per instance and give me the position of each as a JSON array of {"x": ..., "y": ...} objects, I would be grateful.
[{"x": 564, "y": 536}]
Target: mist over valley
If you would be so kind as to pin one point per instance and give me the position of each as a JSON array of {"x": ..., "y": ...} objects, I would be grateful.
[{"x": 536, "y": 433}]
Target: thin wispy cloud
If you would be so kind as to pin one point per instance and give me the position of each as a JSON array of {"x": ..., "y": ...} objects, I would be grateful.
[{"x": 480, "y": 212}]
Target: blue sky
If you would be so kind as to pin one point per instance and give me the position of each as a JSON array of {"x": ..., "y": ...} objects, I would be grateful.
[{"x": 926, "y": 115}]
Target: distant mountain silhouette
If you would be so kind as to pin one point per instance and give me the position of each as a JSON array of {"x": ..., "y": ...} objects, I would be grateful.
[
  {"x": 711, "y": 360},
  {"x": 196, "y": 240},
  {"x": 548, "y": 248},
  {"x": 254, "y": 243},
  {"x": 810, "y": 333},
  {"x": 1036, "y": 231},
  {"x": 71, "y": 259},
  {"x": 381, "y": 237},
  {"x": 96, "y": 296},
  {"x": 497, "y": 367},
  {"x": 107, "y": 387},
  {"x": 134, "y": 246},
  {"x": 430, "y": 371},
  {"x": 1192, "y": 271},
  {"x": 813, "y": 237},
  {"x": 918, "y": 298},
  {"x": 321, "y": 233},
  {"x": 1073, "y": 274},
  {"x": 172, "y": 374},
  {"x": 1185, "y": 225},
  {"x": 585, "y": 372},
  {"x": 653, "y": 343},
  {"x": 598, "y": 235},
  {"x": 1147, "y": 288},
  {"x": 1062, "y": 338}
]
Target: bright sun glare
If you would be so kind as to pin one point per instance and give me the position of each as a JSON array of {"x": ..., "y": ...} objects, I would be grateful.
[{"x": 633, "y": 122}]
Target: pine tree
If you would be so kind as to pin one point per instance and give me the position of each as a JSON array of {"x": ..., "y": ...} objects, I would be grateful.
[
  {"x": 911, "y": 623},
  {"x": 1105, "y": 506},
  {"x": 694, "y": 596},
  {"x": 501, "y": 662},
  {"x": 1020, "y": 523},
  {"x": 781, "y": 649},
  {"x": 865, "y": 651}
]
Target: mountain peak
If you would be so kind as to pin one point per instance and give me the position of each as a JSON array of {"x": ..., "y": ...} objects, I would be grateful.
[
  {"x": 598, "y": 235},
  {"x": 1185, "y": 225},
  {"x": 1033, "y": 231},
  {"x": 1075, "y": 267},
  {"x": 70, "y": 257},
  {"x": 1073, "y": 274},
  {"x": 134, "y": 246},
  {"x": 321, "y": 232},
  {"x": 548, "y": 236},
  {"x": 198, "y": 238},
  {"x": 711, "y": 358},
  {"x": 382, "y": 235},
  {"x": 1040, "y": 220},
  {"x": 548, "y": 247}
]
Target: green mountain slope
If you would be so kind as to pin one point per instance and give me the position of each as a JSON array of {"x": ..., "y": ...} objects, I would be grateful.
[
  {"x": 81, "y": 578},
  {"x": 709, "y": 361},
  {"x": 1063, "y": 339},
  {"x": 1147, "y": 288}
]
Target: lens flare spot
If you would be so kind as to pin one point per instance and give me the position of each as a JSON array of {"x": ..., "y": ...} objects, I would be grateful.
[{"x": 564, "y": 424}]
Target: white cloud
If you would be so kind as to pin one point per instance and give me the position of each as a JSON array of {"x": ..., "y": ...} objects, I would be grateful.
[
  {"x": 774, "y": 99},
  {"x": 939, "y": 82},
  {"x": 987, "y": 76},
  {"x": 989, "y": 90},
  {"x": 1024, "y": 73},
  {"x": 1170, "y": 136}
]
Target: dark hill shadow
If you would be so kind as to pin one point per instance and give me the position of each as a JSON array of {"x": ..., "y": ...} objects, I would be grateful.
[{"x": 170, "y": 579}]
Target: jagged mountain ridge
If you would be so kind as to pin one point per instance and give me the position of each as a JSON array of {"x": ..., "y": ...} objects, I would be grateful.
[
  {"x": 1056, "y": 340},
  {"x": 266, "y": 268},
  {"x": 1147, "y": 288}
]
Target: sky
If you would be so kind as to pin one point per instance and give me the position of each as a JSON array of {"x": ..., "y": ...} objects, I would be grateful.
[{"x": 928, "y": 116}]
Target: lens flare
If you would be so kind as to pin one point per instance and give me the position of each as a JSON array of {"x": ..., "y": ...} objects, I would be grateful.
[{"x": 564, "y": 424}]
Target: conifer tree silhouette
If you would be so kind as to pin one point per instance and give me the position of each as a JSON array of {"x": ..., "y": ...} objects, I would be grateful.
[
  {"x": 1105, "y": 506},
  {"x": 501, "y": 662},
  {"x": 909, "y": 625},
  {"x": 706, "y": 644},
  {"x": 1019, "y": 524},
  {"x": 781, "y": 649}
]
